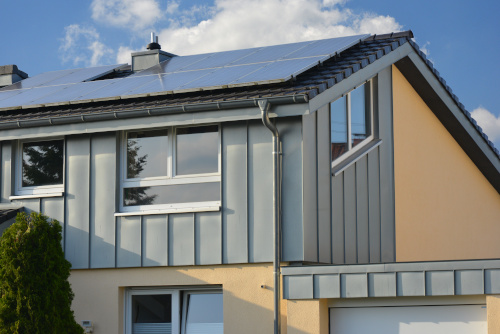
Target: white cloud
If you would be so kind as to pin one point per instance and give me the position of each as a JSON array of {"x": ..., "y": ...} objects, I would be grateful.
[
  {"x": 489, "y": 123},
  {"x": 131, "y": 14},
  {"x": 82, "y": 46},
  {"x": 233, "y": 24},
  {"x": 123, "y": 55}
]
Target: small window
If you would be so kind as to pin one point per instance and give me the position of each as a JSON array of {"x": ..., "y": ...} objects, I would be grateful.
[
  {"x": 40, "y": 167},
  {"x": 351, "y": 122},
  {"x": 173, "y": 311},
  {"x": 171, "y": 168}
]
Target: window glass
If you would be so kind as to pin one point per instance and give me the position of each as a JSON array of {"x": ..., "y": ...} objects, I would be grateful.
[
  {"x": 197, "y": 150},
  {"x": 338, "y": 118},
  {"x": 359, "y": 122},
  {"x": 147, "y": 153},
  {"x": 42, "y": 163},
  {"x": 152, "y": 313},
  {"x": 204, "y": 314},
  {"x": 171, "y": 194}
]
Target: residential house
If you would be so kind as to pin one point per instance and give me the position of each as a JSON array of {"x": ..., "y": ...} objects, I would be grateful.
[{"x": 174, "y": 178}]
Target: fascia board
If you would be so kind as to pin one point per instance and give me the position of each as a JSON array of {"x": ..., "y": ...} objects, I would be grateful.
[{"x": 359, "y": 77}]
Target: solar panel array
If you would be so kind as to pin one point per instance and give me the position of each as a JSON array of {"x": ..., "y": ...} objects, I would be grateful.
[{"x": 262, "y": 65}]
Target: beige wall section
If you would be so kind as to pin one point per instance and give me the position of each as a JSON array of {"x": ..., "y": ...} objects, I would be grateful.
[
  {"x": 493, "y": 309},
  {"x": 308, "y": 316},
  {"x": 248, "y": 308},
  {"x": 445, "y": 207}
]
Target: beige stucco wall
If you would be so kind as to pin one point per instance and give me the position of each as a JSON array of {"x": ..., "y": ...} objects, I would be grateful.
[
  {"x": 493, "y": 313},
  {"x": 248, "y": 308},
  {"x": 308, "y": 316},
  {"x": 445, "y": 207}
]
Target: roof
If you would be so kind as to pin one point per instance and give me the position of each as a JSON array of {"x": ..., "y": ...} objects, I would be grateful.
[{"x": 307, "y": 84}]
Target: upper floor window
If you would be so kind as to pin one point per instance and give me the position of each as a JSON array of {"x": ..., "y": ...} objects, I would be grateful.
[
  {"x": 351, "y": 120},
  {"x": 171, "y": 168},
  {"x": 40, "y": 167}
]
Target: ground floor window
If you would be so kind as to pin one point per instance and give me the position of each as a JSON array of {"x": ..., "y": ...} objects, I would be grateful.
[{"x": 175, "y": 311}]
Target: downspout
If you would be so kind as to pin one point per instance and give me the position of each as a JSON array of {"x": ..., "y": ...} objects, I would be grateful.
[{"x": 264, "y": 106}]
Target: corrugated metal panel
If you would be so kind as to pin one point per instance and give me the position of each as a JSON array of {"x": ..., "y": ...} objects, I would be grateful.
[
  {"x": 292, "y": 194},
  {"x": 181, "y": 239},
  {"x": 155, "y": 240},
  {"x": 234, "y": 193},
  {"x": 128, "y": 242},
  {"x": 103, "y": 171},
  {"x": 77, "y": 201},
  {"x": 208, "y": 238},
  {"x": 260, "y": 197}
]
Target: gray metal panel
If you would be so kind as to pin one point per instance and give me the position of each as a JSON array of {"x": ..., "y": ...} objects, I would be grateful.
[
  {"x": 350, "y": 232},
  {"x": 410, "y": 284},
  {"x": 260, "y": 196},
  {"x": 492, "y": 281},
  {"x": 310, "y": 190},
  {"x": 382, "y": 285},
  {"x": 234, "y": 193},
  {"x": 292, "y": 223},
  {"x": 469, "y": 282},
  {"x": 387, "y": 204},
  {"x": 31, "y": 205},
  {"x": 128, "y": 242},
  {"x": 338, "y": 240},
  {"x": 77, "y": 201},
  {"x": 326, "y": 286},
  {"x": 208, "y": 238},
  {"x": 181, "y": 239},
  {"x": 155, "y": 240},
  {"x": 6, "y": 169},
  {"x": 324, "y": 185},
  {"x": 298, "y": 287},
  {"x": 437, "y": 283},
  {"x": 53, "y": 207},
  {"x": 353, "y": 285},
  {"x": 103, "y": 171},
  {"x": 362, "y": 228},
  {"x": 374, "y": 205}
]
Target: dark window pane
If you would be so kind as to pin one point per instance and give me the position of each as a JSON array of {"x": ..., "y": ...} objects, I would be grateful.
[
  {"x": 197, "y": 150},
  {"x": 147, "y": 154},
  {"x": 338, "y": 119},
  {"x": 152, "y": 308},
  {"x": 360, "y": 129},
  {"x": 171, "y": 194},
  {"x": 204, "y": 314},
  {"x": 43, "y": 163}
]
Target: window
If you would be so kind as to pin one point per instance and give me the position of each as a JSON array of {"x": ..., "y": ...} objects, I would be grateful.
[
  {"x": 351, "y": 122},
  {"x": 171, "y": 168},
  {"x": 40, "y": 167},
  {"x": 173, "y": 311}
]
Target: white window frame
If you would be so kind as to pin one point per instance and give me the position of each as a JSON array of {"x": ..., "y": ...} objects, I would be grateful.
[
  {"x": 36, "y": 191},
  {"x": 352, "y": 150},
  {"x": 170, "y": 178}
]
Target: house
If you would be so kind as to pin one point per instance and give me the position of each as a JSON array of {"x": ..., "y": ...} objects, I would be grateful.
[{"x": 174, "y": 178}]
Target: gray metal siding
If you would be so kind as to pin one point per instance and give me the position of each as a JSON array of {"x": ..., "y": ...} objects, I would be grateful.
[
  {"x": 155, "y": 240},
  {"x": 7, "y": 164}
]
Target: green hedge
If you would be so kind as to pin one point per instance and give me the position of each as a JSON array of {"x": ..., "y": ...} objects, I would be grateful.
[{"x": 35, "y": 295}]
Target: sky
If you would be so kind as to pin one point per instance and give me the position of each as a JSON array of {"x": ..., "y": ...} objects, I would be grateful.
[{"x": 461, "y": 38}]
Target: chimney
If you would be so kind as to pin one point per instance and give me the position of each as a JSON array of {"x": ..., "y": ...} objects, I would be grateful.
[
  {"x": 146, "y": 59},
  {"x": 10, "y": 74}
]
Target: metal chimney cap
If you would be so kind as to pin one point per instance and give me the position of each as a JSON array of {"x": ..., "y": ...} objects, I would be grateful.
[{"x": 154, "y": 43}]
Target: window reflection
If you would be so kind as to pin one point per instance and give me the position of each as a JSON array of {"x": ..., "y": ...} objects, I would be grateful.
[
  {"x": 147, "y": 153},
  {"x": 359, "y": 119},
  {"x": 42, "y": 163},
  {"x": 151, "y": 314},
  {"x": 338, "y": 118},
  {"x": 204, "y": 314},
  {"x": 172, "y": 194},
  {"x": 197, "y": 150}
]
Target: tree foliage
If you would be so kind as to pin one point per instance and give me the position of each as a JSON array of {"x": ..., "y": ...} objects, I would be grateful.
[{"x": 35, "y": 295}]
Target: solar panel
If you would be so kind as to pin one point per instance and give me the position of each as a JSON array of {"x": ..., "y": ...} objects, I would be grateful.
[
  {"x": 119, "y": 87},
  {"x": 27, "y": 96},
  {"x": 38, "y": 80}
]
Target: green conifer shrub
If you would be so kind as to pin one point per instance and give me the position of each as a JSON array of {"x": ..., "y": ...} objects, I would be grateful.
[{"x": 35, "y": 295}]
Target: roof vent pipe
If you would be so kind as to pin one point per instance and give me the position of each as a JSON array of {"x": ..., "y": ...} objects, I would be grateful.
[{"x": 154, "y": 43}]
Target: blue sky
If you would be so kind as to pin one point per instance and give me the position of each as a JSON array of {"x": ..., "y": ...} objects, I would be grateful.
[{"x": 462, "y": 38}]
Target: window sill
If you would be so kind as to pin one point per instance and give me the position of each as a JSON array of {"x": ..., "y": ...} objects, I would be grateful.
[
  {"x": 355, "y": 156},
  {"x": 55, "y": 194},
  {"x": 210, "y": 208}
]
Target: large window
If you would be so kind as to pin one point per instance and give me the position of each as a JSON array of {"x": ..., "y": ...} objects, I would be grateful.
[
  {"x": 174, "y": 311},
  {"x": 40, "y": 167},
  {"x": 351, "y": 120},
  {"x": 171, "y": 168}
]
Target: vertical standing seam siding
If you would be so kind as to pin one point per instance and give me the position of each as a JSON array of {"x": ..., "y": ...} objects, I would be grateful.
[
  {"x": 374, "y": 206},
  {"x": 350, "y": 231},
  {"x": 362, "y": 231},
  {"x": 128, "y": 242},
  {"x": 181, "y": 239},
  {"x": 7, "y": 165},
  {"x": 154, "y": 240},
  {"x": 338, "y": 240},
  {"x": 208, "y": 238}
]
